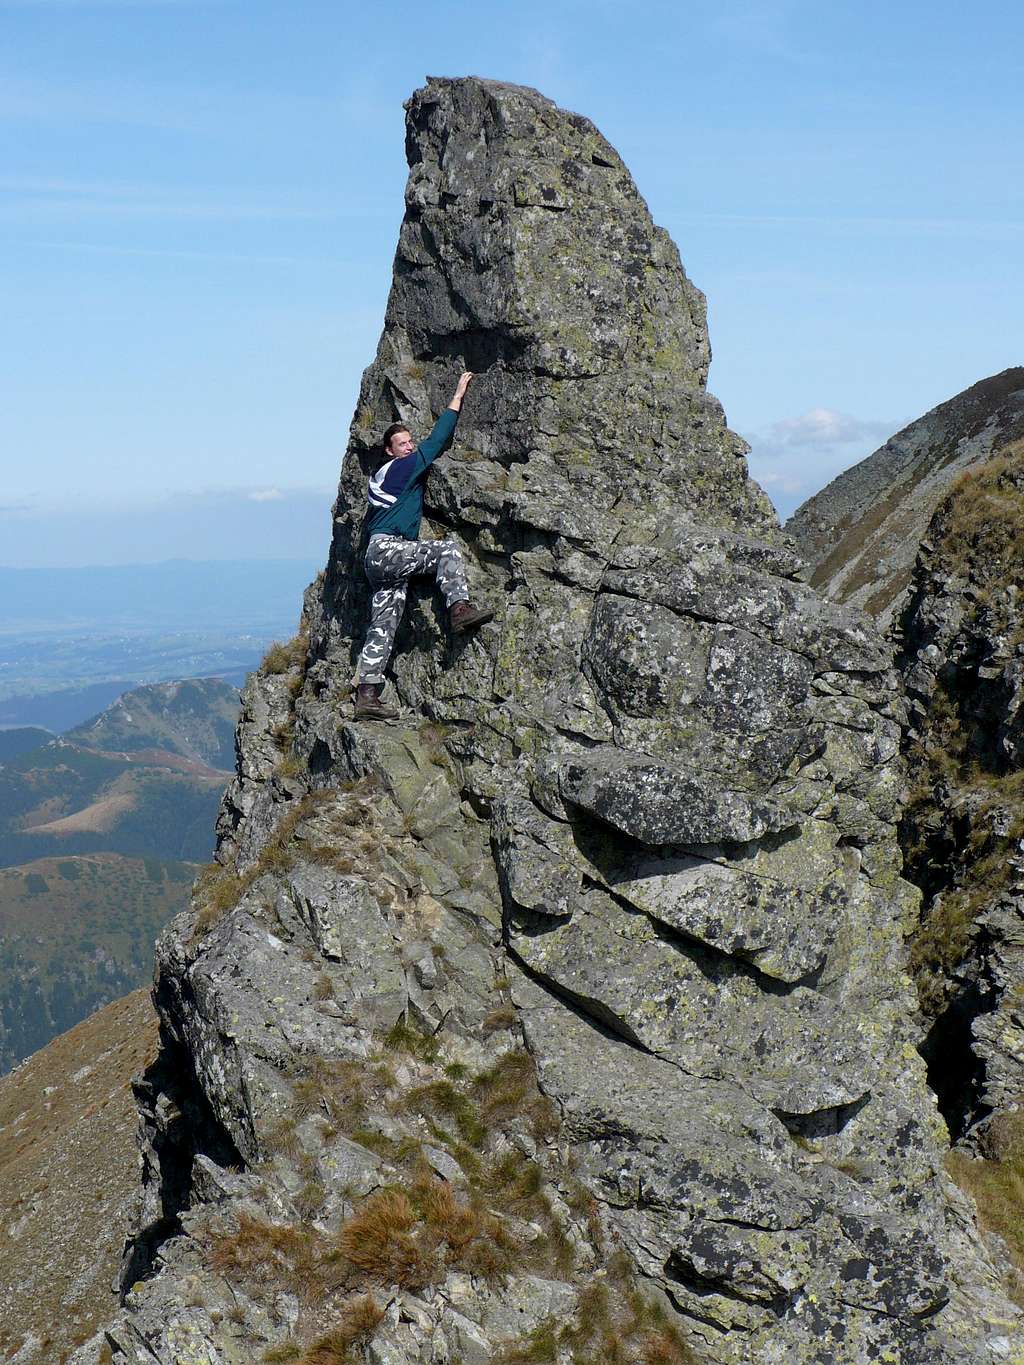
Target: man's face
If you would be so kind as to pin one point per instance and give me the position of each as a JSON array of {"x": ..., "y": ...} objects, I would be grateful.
[{"x": 401, "y": 444}]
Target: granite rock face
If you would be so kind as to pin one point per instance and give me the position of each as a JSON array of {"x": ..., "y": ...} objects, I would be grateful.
[
  {"x": 602, "y": 942},
  {"x": 861, "y": 533}
]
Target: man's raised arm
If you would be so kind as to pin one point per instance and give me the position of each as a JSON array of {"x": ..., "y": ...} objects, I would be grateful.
[{"x": 444, "y": 427}]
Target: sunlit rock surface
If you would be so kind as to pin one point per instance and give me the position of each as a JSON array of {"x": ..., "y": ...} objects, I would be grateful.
[{"x": 602, "y": 941}]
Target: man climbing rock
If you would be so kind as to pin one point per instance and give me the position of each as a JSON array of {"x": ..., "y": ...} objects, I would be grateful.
[{"x": 394, "y": 555}]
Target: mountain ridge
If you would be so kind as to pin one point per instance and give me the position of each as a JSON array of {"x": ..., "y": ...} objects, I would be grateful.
[
  {"x": 860, "y": 534},
  {"x": 472, "y": 999}
]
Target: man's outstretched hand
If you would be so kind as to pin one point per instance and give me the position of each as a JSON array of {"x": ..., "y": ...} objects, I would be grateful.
[{"x": 465, "y": 379}]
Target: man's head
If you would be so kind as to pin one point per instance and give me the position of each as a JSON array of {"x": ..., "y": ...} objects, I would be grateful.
[{"x": 398, "y": 441}]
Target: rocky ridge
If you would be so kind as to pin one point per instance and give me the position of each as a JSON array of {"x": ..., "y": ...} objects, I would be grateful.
[
  {"x": 568, "y": 1013},
  {"x": 962, "y": 659},
  {"x": 861, "y": 533}
]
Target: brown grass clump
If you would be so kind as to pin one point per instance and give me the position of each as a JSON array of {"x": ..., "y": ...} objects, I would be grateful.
[
  {"x": 996, "y": 1184},
  {"x": 509, "y": 1089},
  {"x": 261, "y": 1252},
  {"x": 282, "y": 658},
  {"x": 615, "y": 1323},
  {"x": 412, "y": 1237},
  {"x": 378, "y": 1240},
  {"x": 501, "y": 1017},
  {"x": 359, "y": 1320}
]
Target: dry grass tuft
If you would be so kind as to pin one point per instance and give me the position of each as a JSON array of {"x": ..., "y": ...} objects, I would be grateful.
[
  {"x": 615, "y": 1323},
  {"x": 359, "y": 1320},
  {"x": 323, "y": 987},
  {"x": 445, "y": 1101},
  {"x": 282, "y": 658},
  {"x": 509, "y": 1089},
  {"x": 287, "y": 1351},
  {"x": 982, "y": 520},
  {"x": 378, "y": 1240},
  {"x": 996, "y": 1183},
  {"x": 261, "y": 1252},
  {"x": 501, "y": 1017},
  {"x": 404, "y": 1037},
  {"x": 218, "y": 889}
]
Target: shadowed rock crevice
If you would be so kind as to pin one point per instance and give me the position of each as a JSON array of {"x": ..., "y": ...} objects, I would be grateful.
[
  {"x": 178, "y": 1126},
  {"x": 822, "y": 1122}
]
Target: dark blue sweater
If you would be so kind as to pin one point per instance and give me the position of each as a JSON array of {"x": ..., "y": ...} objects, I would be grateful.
[{"x": 396, "y": 490}]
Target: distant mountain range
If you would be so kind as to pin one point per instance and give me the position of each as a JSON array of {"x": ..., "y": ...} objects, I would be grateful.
[
  {"x": 195, "y": 718},
  {"x": 64, "y": 798}
]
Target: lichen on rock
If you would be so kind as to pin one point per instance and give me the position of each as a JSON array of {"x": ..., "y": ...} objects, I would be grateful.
[{"x": 587, "y": 974}]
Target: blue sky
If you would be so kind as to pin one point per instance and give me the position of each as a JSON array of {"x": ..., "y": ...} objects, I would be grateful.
[{"x": 199, "y": 201}]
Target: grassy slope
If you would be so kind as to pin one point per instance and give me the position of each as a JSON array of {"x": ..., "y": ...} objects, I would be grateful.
[
  {"x": 67, "y": 1177},
  {"x": 170, "y": 813},
  {"x": 76, "y": 933},
  {"x": 978, "y": 535},
  {"x": 20, "y": 741}
]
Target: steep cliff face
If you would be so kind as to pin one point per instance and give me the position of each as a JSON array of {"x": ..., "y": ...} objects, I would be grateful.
[
  {"x": 861, "y": 533},
  {"x": 962, "y": 659},
  {"x": 564, "y": 1018}
]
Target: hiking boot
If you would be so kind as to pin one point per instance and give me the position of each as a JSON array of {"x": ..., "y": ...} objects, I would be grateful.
[
  {"x": 463, "y": 616},
  {"x": 369, "y": 705}
]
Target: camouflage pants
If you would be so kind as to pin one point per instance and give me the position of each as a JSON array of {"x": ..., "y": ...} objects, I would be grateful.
[{"x": 390, "y": 562}]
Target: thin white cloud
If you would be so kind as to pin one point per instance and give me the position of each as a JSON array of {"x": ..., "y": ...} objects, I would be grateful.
[
  {"x": 824, "y": 426},
  {"x": 986, "y": 229},
  {"x": 796, "y": 456},
  {"x": 266, "y": 495},
  {"x": 110, "y": 4},
  {"x": 174, "y": 253},
  {"x": 220, "y": 110}
]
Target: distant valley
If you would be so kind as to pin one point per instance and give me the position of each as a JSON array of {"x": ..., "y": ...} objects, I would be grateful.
[
  {"x": 102, "y": 831},
  {"x": 73, "y": 639}
]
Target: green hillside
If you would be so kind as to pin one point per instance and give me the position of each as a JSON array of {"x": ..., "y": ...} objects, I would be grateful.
[
  {"x": 65, "y": 799},
  {"x": 75, "y": 934},
  {"x": 21, "y": 740},
  {"x": 195, "y": 718},
  {"x": 99, "y": 835}
]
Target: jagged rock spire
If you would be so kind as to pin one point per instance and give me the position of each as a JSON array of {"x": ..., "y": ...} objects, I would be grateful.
[{"x": 642, "y": 824}]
